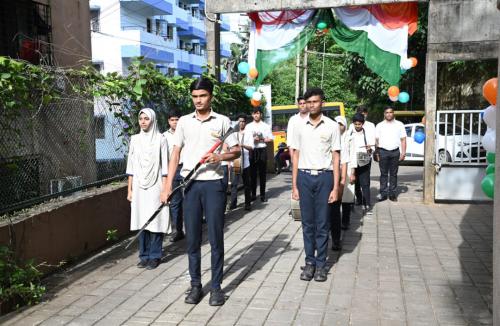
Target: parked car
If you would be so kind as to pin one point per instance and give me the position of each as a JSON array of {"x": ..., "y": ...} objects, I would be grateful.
[{"x": 451, "y": 145}]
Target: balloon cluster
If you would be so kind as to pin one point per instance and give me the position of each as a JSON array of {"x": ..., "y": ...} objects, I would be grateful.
[
  {"x": 252, "y": 73},
  {"x": 322, "y": 28},
  {"x": 490, "y": 89},
  {"x": 396, "y": 95},
  {"x": 408, "y": 63}
]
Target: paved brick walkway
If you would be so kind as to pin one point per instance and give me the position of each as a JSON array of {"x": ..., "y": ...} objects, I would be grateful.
[{"x": 409, "y": 264}]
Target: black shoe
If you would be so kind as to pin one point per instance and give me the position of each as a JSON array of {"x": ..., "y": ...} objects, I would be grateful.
[
  {"x": 308, "y": 272},
  {"x": 254, "y": 197},
  {"x": 381, "y": 197},
  {"x": 152, "y": 264},
  {"x": 320, "y": 275},
  {"x": 194, "y": 295},
  {"x": 217, "y": 297},
  {"x": 142, "y": 263},
  {"x": 177, "y": 237},
  {"x": 248, "y": 207},
  {"x": 345, "y": 226},
  {"x": 359, "y": 203},
  {"x": 393, "y": 198},
  {"x": 231, "y": 207},
  {"x": 263, "y": 199},
  {"x": 336, "y": 246}
]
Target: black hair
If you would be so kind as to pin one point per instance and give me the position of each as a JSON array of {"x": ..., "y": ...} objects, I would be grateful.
[
  {"x": 257, "y": 109},
  {"x": 173, "y": 113},
  {"x": 242, "y": 115},
  {"x": 300, "y": 98},
  {"x": 202, "y": 83},
  {"x": 358, "y": 117},
  {"x": 315, "y": 91},
  {"x": 388, "y": 108},
  {"x": 362, "y": 109}
]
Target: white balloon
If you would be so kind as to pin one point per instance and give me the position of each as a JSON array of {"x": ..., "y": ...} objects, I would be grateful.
[
  {"x": 257, "y": 96},
  {"x": 489, "y": 139},
  {"x": 406, "y": 64},
  {"x": 490, "y": 116}
]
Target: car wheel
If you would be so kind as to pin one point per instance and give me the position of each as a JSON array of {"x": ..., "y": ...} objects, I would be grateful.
[{"x": 444, "y": 156}]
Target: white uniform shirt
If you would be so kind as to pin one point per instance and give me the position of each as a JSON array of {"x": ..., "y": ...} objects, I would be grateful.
[
  {"x": 245, "y": 139},
  {"x": 297, "y": 118},
  {"x": 358, "y": 137},
  {"x": 369, "y": 128},
  {"x": 389, "y": 134},
  {"x": 169, "y": 135},
  {"x": 316, "y": 143},
  {"x": 196, "y": 137},
  {"x": 259, "y": 128}
]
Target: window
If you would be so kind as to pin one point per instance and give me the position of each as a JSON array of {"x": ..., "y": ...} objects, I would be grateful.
[
  {"x": 171, "y": 72},
  {"x": 408, "y": 131},
  {"x": 157, "y": 26},
  {"x": 99, "y": 127},
  {"x": 94, "y": 20},
  {"x": 420, "y": 128},
  {"x": 99, "y": 66},
  {"x": 181, "y": 44},
  {"x": 170, "y": 32},
  {"x": 149, "y": 27},
  {"x": 197, "y": 48}
]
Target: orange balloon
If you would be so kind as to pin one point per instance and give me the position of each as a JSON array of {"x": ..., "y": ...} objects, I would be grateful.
[
  {"x": 393, "y": 91},
  {"x": 414, "y": 61},
  {"x": 253, "y": 73},
  {"x": 254, "y": 103},
  {"x": 490, "y": 90}
]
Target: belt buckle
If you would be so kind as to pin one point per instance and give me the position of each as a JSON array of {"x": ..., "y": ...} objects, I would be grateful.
[{"x": 314, "y": 172}]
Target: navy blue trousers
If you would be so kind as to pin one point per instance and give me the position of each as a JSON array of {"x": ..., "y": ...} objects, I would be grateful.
[
  {"x": 314, "y": 191},
  {"x": 205, "y": 198},
  {"x": 389, "y": 164},
  {"x": 176, "y": 212},
  {"x": 150, "y": 245}
]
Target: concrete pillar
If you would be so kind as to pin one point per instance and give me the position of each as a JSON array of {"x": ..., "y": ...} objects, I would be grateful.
[
  {"x": 430, "y": 126},
  {"x": 496, "y": 215},
  {"x": 213, "y": 43}
]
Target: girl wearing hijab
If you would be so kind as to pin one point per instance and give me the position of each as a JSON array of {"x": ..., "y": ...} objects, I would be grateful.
[{"x": 147, "y": 168}]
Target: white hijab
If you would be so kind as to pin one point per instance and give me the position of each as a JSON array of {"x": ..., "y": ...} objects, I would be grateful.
[{"x": 149, "y": 159}]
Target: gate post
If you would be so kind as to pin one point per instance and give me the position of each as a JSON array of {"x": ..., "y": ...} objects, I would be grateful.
[
  {"x": 212, "y": 29},
  {"x": 430, "y": 126}
]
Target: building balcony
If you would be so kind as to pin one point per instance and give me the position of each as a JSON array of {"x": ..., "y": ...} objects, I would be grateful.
[
  {"x": 148, "y": 7},
  {"x": 195, "y": 29},
  {"x": 225, "y": 51},
  {"x": 224, "y": 25},
  {"x": 150, "y": 46}
]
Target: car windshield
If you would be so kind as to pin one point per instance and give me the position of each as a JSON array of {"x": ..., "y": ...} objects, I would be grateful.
[{"x": 448, "y": 128}]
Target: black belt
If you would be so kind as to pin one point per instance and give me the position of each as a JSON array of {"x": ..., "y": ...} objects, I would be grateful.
[{"x": 389, "y": 150}]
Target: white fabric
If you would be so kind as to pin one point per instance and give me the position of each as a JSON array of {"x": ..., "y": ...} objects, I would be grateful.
[
  {"x": 390, "y": 40},
  {"x": 148, "y": 152},
  {"x": 341, "y": 120},
  {"x": 260, "y": 128},
  {"x": 348, "y": 156},
  {"x": 389, "y": 134},
  {"x": 146, "y": 200},
  {"x": 169, "y": 134},
  {"x": 244, "y": 139},
  {"x": 195, "y": 137},
  {"x": 369, "y": 128},
  {"x": 272, "y": 37},
  {"x": 294, "y": 119},
  {"x": 316, "y": 143}
]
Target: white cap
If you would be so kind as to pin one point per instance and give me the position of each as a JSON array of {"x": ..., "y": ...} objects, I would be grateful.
[{"x": 342, "y": 120}]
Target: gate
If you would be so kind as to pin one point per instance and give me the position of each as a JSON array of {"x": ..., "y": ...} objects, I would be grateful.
[{"x": 460, "y": 158}]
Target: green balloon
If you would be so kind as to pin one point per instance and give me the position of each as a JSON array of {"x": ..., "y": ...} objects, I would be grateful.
[
  {"x": 490, "y": 157},
  {"x": 321, "y": 25},
  {"x": 488, "y": 185},
  {"x": 490, "y": 169}
]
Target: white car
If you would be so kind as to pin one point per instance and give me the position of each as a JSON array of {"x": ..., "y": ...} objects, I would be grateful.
[{"x": 451, "y": 145}]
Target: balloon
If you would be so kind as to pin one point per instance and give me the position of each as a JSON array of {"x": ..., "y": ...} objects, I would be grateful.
[
  {"x": 488, "y": 140},
  {"x": 249, "y": 92},
  {"x": 490, "y": 169},
  {"x": 490, "y": 89},
  {"x": 254, "y": 103},
  {"x": 321, "y": 25},
  {"x": 403, "y": 97},
  {"x": 490, "y": 116},
  {"x": 414, "y": 61},
  {"x": 394, "y": 99},
  {"x": 393, "y": 91},
  {"x": 490, "y": 157},
  {"x": 243, "y": 67},
  {"x": 253, "y": 73},
  {"x": 488, "y": 185},
  {"x": 419, "y": 137},
  {"x": 406, "y": 63},
  {"x": 257, "y": 96}
]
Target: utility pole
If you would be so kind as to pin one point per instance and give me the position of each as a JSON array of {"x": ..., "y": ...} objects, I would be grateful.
[
  {"x": 297, "y": 76},
  {"x": 305, "y": 69}
]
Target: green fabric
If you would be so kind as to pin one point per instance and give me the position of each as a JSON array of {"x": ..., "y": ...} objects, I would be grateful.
[{"x": 382, "y": 63}]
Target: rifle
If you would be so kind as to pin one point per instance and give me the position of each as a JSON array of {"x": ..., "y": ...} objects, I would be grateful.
[{"x": 185, "y": 182}]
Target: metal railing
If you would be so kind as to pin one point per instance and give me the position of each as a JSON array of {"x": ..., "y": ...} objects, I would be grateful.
[{"x": 459, "y": 138}]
